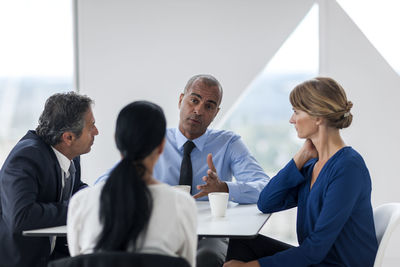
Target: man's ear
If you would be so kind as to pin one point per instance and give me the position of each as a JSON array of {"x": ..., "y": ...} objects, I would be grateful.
[
  {"x": 67, "y": 138},
  {"x": 218, "y": 109},
  {"x": 216, "y": 113},
  {"x": 180, "y": 100}
]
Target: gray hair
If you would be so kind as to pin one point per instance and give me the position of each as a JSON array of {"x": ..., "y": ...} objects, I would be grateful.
[
  {"x": 206, "y": 79},
  {"x": 63, "y": 112}
]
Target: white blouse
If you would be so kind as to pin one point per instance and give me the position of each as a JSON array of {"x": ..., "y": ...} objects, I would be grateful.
[{"x": 172, "y": 229}]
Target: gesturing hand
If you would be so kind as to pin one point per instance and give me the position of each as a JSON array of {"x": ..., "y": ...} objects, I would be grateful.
[{"x": 212, "y": 182}]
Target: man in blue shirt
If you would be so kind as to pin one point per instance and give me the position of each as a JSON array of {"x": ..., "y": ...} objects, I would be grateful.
[{"x": 217, "y": 157}]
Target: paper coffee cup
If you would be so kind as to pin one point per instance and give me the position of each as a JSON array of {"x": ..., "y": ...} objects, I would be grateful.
[
  {"x": 185, "y": 188},
  {"x": 218, "y": 203}
]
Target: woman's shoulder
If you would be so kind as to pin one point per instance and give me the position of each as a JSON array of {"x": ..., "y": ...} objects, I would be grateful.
[
  {"x": 349, "y": 163},
  {"x": 89, "y": 193},
  {"x": 169, "y": 193},
  {"x": 172, "y": 201},
  {"x": 348, "y": 157}
]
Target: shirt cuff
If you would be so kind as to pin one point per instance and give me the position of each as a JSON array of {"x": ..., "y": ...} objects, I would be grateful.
[{"x": 234, "y": 191}]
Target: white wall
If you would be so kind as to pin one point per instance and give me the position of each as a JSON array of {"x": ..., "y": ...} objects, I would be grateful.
[
  {"x": 130, "y": 50},
  {"x": 374, "y": 88}
]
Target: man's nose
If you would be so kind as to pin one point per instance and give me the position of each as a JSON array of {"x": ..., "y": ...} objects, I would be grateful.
[
  {"x": 199, "y": 109},
  {"x": 95, "y": 131}
]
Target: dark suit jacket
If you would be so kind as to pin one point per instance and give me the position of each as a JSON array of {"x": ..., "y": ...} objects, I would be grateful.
[{"x": 30, "y": 189}]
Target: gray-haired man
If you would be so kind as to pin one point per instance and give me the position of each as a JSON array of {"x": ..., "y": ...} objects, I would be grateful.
[{"x": 39, "y": 176}]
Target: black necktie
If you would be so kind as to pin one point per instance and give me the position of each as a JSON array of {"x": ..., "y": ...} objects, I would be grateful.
[
  {"x": 69, "y": 181},
  {"x": 186, "y": 175}
]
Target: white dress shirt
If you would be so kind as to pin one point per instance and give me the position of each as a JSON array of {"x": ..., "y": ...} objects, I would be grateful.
[{"x": 64, "y": 165}]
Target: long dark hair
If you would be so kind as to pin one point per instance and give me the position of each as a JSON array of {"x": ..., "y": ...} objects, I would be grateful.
[{"x": 125, "y": 201}]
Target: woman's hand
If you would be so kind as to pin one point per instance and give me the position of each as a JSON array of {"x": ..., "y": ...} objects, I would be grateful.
[
  {"x": 235, "y": 263},
  {"x": 306, "y": 152}
]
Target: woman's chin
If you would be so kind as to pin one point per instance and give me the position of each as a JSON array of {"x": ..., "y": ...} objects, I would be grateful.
[{"x": 300, "y": 136}]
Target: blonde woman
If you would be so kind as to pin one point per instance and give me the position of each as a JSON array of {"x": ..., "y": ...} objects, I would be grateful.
[{"x": 329, "y": 183}]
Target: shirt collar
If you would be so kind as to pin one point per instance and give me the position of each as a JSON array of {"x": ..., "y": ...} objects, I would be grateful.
[
  {"x": 181, "y": 140},
  {"x": 62, "y": 160}
]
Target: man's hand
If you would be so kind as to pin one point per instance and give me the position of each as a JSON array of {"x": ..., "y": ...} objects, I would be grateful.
[{"x": 213, "y": 183}]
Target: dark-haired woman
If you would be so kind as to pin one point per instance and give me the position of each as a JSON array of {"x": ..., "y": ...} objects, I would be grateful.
[
  {"x": 132, "y": 211},
  {"x": 328, "y": 182}
]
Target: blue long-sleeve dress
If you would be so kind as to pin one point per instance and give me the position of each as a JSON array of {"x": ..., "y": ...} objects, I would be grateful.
[{"x": 334, "y": 219}]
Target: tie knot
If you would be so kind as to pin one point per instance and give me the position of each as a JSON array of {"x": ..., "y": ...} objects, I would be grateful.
[
  {"x": 188, "y": 147},
  {"x": 72, "y": 169}
]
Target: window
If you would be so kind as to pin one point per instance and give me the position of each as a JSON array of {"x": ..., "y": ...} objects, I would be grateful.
[
  {"x": 262, "y": 114},
  {"x": 36, "y": 54}
]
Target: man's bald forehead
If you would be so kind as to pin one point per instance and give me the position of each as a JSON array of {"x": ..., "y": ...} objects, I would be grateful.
[{"x": 205, "y": 79}]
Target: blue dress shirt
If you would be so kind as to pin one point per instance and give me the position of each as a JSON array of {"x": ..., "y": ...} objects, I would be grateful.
[
  {"x": 335, "y": 225},
  {"x": 230, "y": 156}
]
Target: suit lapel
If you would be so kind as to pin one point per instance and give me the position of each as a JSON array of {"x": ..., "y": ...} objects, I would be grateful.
[{"x": 57, "y": 169}]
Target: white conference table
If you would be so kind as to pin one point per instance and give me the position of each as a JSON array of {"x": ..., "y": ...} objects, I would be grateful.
[{"x": 240, "y": 221}]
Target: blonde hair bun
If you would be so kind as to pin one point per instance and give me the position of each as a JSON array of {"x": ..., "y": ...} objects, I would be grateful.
[{"x": 323, "y": 97}]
